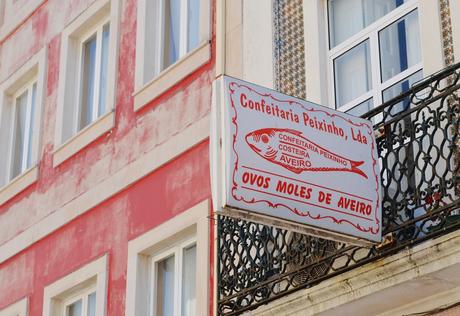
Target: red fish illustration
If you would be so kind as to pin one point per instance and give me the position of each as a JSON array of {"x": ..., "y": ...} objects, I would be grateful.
[{"x": 291, "y": 150}]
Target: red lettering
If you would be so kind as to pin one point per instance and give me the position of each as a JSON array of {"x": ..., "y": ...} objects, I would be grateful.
[
  {"x": 243, "y": 99},
  {"x": 281, "y": 186},
  {"x": 324, "y": 197},
  {"x": 354, "y": 205},
  {"x": 368, "y": 210},
  {"x": 245, "y": 177},
  {"x": 266, "y": 183},
  {"x": 293, "y": 189},
  {"x": 255, "y": 179}
]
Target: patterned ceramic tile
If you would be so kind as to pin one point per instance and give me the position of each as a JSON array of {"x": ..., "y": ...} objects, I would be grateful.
[
  {"x": 446, "y": 30},
  {"x": 289, "y": 47}
]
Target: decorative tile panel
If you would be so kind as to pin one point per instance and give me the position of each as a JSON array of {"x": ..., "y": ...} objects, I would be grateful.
[
  {"x": 289, "y": 47},
  {"x": 446, "y": 30}
]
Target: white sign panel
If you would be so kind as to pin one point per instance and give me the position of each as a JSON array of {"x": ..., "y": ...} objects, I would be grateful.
[{"x": 295, "y": 161}]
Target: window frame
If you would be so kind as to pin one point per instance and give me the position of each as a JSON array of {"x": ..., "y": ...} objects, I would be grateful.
[
  {"x": 190, "y": 224},
  {"x": 92, "y": 277},
  {"x": 159, "y": 42},
  {"x": 27, "y": 132},
  {"x": 81, "y": 295},
  {"x": 33, "y": 71},
  {"x": 148, "y": 89},
  {"x": 177, "y": 251},
  {"x": 68, "y": 139},
  {"x": 317, "y": 73},
  {"x": 97, "y": 30},
  {"x": 371, "y": 33}
]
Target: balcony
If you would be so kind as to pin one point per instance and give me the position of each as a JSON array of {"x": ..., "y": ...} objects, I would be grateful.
[{"x": 418, "y": 143}]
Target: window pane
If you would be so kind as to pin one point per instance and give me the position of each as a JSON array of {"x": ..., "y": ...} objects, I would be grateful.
[
  {"x": 352, "y": 74},
  {"x": 31, "y": 125},
  {"x": 172, "y": 32},
  {"x": 87, "y": 93},
  {"x": 19, "y": 134},
  {"x": 399, "y": 88},
  {"x": 362, "y": 108},
  {"x": 399, "y": 46},
  {"x": 92, "y": 304},
  {"x": 74, "y": 309},
  {"x": 104, "y": 62},
  {"x": 188, "y": 282},
  {"x": 348, "y": 17},
  {"x": 165, "y": 287},
  {"x": 193, "y": 24}
]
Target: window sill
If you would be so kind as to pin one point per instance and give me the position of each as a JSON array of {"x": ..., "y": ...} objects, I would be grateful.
[
  {"x": 18, "y": 184},
  {"x": 83, "y": 138},
  {"x": 172, "y": 75}
]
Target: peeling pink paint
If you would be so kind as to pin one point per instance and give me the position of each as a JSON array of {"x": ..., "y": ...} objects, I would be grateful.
[
  {"x": 39, "y": 27},
  {"x": 107, "y": 228},
  {"x": 54, "y": 49}
]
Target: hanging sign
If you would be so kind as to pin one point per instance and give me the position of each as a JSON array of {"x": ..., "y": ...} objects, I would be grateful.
[{"x": 287, "y": 162}]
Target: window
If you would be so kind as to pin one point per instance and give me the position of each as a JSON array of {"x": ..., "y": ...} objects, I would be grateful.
[
  {"x": 24, "y": 104},
  {"x": 172, "y": 42},
  {"x": 17, "y": 309},
  {"x": 177, "y": 32},
  {"x": 81, "y": 293},
  {"x": 374, "y": 52},
  {"x": 174, "y": 281},
  {"x": 21, "y": 102},
  {"x": 87, "y": 73},
  {"x": 168, "y": 267},
  {"x": 93, "y": 80},
  {"x": 83, "y": 304},
  {"x": 87, "y": 84},
  {"x": 176, "y": 25}
]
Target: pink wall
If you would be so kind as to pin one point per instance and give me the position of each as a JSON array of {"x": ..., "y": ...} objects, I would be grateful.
[{"x": 108, "y": 227}]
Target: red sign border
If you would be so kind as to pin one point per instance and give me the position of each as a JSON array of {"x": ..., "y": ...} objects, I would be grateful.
[{"x": 371, "y": 230}]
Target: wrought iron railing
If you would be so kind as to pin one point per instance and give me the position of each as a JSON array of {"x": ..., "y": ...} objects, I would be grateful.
[{"x": 419, "y": 151}]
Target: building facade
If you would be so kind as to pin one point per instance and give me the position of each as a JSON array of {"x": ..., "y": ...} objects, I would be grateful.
[
  {"x": 368, "y": 59},
  {"x": 104, "y": 142},
  {"x": 105, "y": 183}
]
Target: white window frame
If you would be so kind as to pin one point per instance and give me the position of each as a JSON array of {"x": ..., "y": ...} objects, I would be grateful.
[
  {"x": 33, "y": 71},
  {"x": 90, "y": 278},
  {"x": 96, "y": 30},
  {"x": 187, "y": 228},
  {"x": 20, "y": 308},
  {"x": 69, "y": 139},
  {"x": 371, "y": 33},
  {"x": 83, "y": 296},
  {"x": 177, "y": 251},
  {"x": 318, "y": 70},
  {"x": 158, "y": 46},
  {"x": 29, "y": 88},
  {"x": 147, "y": 90}
]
